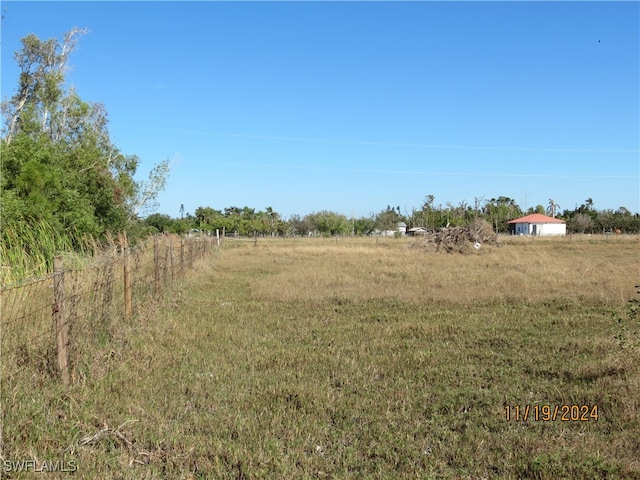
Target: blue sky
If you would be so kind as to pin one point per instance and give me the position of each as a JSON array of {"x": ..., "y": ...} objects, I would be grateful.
[{"x": 353, "y": 106}]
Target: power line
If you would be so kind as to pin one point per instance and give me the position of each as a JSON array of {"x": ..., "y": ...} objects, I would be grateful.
[
  {"x": 383, "y": 144},
  {"x": 417, "y": 172}
]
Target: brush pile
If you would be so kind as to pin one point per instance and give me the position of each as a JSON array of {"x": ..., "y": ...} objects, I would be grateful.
[{"x": 460, "y": 239}]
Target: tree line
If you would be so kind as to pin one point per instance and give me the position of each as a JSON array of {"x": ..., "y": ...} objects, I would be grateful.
[{"x": 498, "y": 212}]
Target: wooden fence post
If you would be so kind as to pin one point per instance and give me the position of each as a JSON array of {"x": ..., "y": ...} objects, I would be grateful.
[
  {"x": 156, "y": 265},
  {"x": 165, "y": 270},
  {"x": 182, "y": 257},
  {"x": 128, "y": 304},
  {"x": 173, "y": 275},
  {"x": 60, "y": 320}
]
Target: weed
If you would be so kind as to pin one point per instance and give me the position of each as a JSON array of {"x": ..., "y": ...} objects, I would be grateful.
[{"x": 629, "y": 323}]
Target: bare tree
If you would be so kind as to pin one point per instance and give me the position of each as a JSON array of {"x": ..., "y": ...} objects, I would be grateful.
[
  {"x": 581, "y": 223},
  {"x": 477, "y": 201},
  {"x": 148, "y": 191},
  {"x": 42, "y": 67}
]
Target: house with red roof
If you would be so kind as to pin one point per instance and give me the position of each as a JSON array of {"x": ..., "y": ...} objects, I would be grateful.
[{"x": 537, "y": 224}]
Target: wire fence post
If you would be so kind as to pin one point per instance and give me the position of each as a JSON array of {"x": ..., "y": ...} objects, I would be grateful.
[
  {"x": 128, "y": 304},
  {"x": 60, "y": 320}
]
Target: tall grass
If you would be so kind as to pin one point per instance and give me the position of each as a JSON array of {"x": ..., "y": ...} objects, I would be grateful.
[
  {"x": 27, "y": 250},
  {"x": 596, "y": 272}
]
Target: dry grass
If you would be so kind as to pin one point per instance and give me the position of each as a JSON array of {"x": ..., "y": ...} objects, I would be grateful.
[
  {"x": 358, "y": 359},
  {"x": 362, "y": 269}
]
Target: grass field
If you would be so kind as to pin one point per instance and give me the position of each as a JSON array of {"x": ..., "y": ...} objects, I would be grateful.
[{"x": 359, "y": 358}]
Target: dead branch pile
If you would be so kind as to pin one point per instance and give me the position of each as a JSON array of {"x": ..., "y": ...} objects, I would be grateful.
[{"x": 461, "y": 239}]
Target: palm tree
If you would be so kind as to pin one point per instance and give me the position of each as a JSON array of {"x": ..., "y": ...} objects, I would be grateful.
[
  {"x": 273, "y": 217},
  {"x": 552, "y": 208}
]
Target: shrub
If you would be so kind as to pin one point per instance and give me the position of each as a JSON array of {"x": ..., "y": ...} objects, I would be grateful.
[{"x": 629, "y": 323}]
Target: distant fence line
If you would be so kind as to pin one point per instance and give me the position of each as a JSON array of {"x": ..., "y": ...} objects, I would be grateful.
[{"x": 49, "y": 324}]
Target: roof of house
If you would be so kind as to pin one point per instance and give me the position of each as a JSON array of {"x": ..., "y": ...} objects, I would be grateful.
[{"x": 536, "y": 218}]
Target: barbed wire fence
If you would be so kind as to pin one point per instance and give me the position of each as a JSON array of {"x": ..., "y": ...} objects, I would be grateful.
[{"x": 49, "y": 324}]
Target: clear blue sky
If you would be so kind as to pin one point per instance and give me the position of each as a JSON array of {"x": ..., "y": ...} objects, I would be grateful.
[{"x": 355, "y": 106}]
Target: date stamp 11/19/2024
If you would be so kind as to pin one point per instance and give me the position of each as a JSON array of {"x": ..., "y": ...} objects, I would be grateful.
[{"x": 551, "y": 413}]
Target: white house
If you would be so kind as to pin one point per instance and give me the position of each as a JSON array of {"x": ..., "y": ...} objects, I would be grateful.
[
  {"x": 537, "y": 224},
  {"x": 412, "y": 232},
  {"x": 401, "y": 230}
]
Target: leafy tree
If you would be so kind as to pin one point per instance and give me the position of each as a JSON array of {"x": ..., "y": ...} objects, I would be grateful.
[
  {"x": 328, "y": 223},
  {"x": 500, "y": 210},
  {"x": 458, "y": 215},
  {"x": 434, "y": 217},
  {"x": 161, "y": 222},
  {"x": 297, "y": 225},
  {"x": 59, "y": 165},
  {"x": 537, "y": 209},
  {"x": 364, "y": 225},
  {"x": 207, "y": 216},
  {"x": 587, "y": 209},
  {"x": 620, "y": 220},
  {"x": 623, "y": 211},
  {"x": 273, "y": 219},
  {"x": 388, "y": 219}
]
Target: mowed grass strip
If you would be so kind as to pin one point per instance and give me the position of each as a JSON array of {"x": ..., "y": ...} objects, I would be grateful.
[{"x": 360, "y": 359}]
